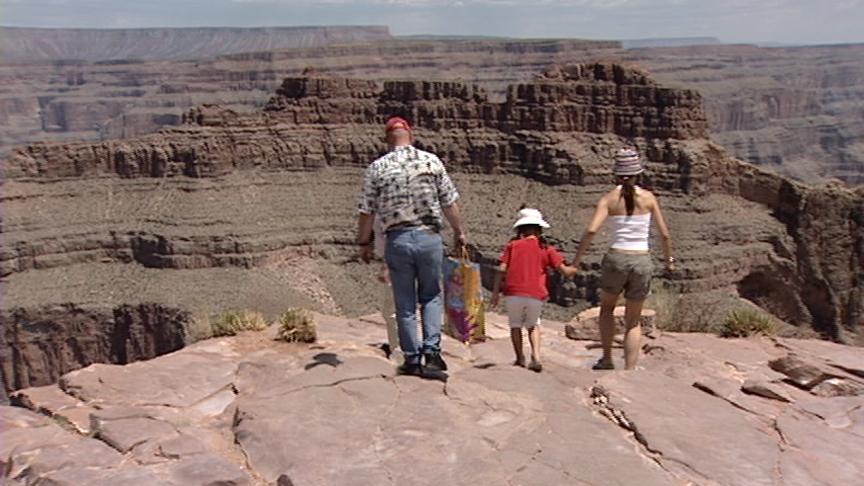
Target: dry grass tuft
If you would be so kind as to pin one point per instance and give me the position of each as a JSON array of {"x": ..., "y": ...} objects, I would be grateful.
[
  {"x": 748, "y": 322},
  {"x": 232, "y": 322},
  {"x": 297, "y": 326}
]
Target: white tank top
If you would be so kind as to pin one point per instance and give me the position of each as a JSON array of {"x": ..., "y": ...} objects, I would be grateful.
[{"x": 631, "y": 232}]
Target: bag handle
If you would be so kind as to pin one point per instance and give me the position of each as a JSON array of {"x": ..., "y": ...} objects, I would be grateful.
[{"x": 464, "y": 256}]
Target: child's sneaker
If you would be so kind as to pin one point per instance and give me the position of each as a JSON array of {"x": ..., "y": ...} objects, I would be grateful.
[
  {"x": 535, "y": 366},
  {"x": 602, "y": 364}
]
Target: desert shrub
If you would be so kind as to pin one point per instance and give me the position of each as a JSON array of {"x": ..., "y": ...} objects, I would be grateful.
[
  {"x": 296, "y": 326},
  {"x": 232, "y": 322},
  {"x": 680, "y": 312},
  {"x": 677, "y": 312},
  {"x": 198, "y": 327},
  {"x": 747, "y": 322},
  {"x": 666, "y": 303}
]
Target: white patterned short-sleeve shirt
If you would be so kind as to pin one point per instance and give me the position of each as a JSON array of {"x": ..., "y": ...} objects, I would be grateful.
[{"x": 407, "y": 186}]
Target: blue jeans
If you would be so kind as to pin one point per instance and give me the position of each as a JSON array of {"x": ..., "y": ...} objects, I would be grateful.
[{"x": 414, "y": 257}]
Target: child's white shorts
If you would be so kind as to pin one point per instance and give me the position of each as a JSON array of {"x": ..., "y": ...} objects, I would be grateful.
[{"x": 523, "y": 311}]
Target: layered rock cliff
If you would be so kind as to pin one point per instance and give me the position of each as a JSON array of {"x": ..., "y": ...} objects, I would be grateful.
[
  {"x": 40, "y": 344},
  {"x": 22, "y": 44},
  {"x": 261, "y": 192},
  {"x": 795, "y": 111},
  {"x": 594, "y": 99}
]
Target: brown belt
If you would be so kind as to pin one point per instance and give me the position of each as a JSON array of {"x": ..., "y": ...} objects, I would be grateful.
[
  {"x": 629, "y": 252},
  {"x": 405, "y": 226}
]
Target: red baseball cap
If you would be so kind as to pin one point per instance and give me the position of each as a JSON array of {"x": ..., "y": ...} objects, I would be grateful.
[{"x": 397, "y": 123}]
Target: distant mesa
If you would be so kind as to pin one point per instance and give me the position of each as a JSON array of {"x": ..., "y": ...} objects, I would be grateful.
[
  {"x": 795, "y": 111},
  {"x": 670, "y": 42},
  {"x": 21, "y": 44}
]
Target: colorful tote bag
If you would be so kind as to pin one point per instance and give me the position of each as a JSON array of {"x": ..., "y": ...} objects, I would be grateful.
[{"x": 463, "y": 300}]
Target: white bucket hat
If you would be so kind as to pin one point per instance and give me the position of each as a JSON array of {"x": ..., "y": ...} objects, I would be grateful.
[{"x": 530, "y": 216}]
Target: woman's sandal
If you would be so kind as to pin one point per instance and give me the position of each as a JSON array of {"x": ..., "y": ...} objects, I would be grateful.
[
  {"x": 535, "y": 366},
  {"x": 601, "y": 364},
  {"x": 519, "y": 362}
]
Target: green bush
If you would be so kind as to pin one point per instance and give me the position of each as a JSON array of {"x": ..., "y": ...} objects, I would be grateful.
[
  {"x": 235, "y": 321},
  {"x": 747, "y": 322},
  {"x": 297, "y": 326}
]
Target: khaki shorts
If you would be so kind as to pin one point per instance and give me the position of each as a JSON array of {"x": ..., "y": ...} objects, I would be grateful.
[
  {"x": 523, "y": 311},
  {"x": 630, "y": 273}
]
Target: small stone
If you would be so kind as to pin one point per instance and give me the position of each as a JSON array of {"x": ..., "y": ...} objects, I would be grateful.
[
  {"x": 766, "y": 390},
  {"x": 803, "y": 374},
  {"x": 837, "y": 387},
  {"x": 580, "y": 333}
]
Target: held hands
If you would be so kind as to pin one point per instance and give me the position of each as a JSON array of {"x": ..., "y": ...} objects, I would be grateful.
[{"x": 568, "y": 271}]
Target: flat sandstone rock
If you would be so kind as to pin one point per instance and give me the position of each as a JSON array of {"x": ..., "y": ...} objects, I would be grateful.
[{"x": 249, "y": 410}]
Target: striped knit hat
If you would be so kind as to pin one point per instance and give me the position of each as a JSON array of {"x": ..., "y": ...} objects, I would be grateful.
[{"x": 627, "y": 163}]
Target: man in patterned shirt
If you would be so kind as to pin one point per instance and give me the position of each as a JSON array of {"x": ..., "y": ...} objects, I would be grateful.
[{"x": 409, "y": 191}]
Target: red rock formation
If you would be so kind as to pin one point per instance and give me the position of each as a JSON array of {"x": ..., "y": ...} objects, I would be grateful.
[
  {"x": 38, "y": 345},
  {"x": 608, "y": 101},
  {"x": 795, "y": 110},
  {"x": 559, "y": 129}
]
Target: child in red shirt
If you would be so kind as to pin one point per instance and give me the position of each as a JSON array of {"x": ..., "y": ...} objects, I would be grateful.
[{"x": 525, "y": 261}]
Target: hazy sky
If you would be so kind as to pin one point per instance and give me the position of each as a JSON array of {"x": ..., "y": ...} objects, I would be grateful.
[{"x": 786, "y": 21}]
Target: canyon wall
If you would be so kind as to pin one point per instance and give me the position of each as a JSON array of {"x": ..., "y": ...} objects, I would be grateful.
[
  {"x": 25, "y": 45},
  {"x": 264, "y": 192},
  {"x": 795, "y": 111},
  {"x": 555, "y": 130},
  {"x": 40, "y": 344}
]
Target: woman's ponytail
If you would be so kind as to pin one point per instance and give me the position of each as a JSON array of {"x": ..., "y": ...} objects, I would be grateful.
[{"x": 628, "y": 192}]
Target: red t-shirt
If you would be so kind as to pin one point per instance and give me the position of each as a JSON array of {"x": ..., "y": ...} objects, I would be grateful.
[{"x": 526, "y": 267}]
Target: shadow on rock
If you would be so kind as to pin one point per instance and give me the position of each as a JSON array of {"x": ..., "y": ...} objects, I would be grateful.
[{"x": 330, "y": 359}]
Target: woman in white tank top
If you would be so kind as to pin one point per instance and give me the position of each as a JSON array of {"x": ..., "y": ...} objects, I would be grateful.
[{"x": 627, "y": 266}]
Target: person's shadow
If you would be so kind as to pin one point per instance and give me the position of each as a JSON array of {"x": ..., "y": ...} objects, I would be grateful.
[{"x": 329, "y": 359}]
